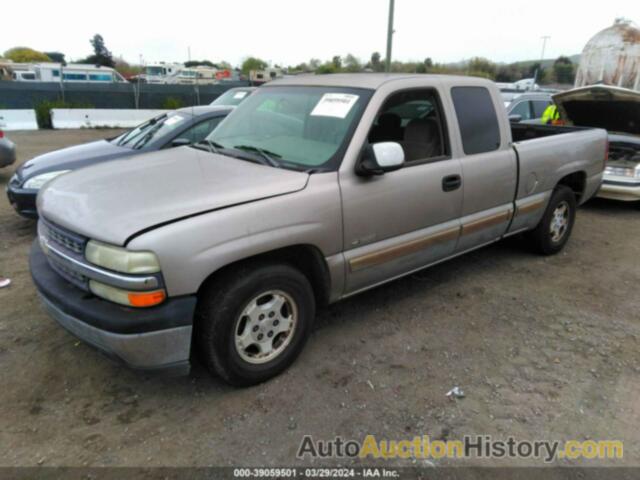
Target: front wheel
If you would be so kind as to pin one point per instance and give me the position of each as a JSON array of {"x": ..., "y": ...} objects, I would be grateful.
[
  {"x": 554, "y": 230},
  {"x": 251, "y": 325}
]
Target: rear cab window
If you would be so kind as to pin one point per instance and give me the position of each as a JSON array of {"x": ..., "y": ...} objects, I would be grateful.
[{"x": 477, "y": 119}]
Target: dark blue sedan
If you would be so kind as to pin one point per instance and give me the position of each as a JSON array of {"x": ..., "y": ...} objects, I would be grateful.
[{"x": 176, "y": 128}]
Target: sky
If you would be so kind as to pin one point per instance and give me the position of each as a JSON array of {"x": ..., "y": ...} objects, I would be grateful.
[{"x": 288, "y": 32}]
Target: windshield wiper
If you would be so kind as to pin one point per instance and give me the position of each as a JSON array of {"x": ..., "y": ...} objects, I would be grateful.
[
  {"x": 212, "y": 146},
  {"x": 264, "y": 154}
]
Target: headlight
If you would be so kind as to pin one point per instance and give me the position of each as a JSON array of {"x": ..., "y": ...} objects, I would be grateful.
[
  {"x": 621, "y": 171},
  {"x": 123, "y": 297},
  {"x": 121, "y": 259},
  {"x": 38, "y": 181}
]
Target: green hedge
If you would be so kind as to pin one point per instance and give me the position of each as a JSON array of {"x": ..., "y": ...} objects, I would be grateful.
[{"x": 43, "y": 110}]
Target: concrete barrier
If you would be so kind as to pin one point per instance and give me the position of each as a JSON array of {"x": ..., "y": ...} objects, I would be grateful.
[
  {"x": 102, "y": 117},
  {"x": 18, "y": 120}
]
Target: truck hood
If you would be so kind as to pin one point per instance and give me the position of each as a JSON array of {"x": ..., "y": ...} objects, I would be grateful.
[
  {"x": 115, "y": 200},
  {"x": 615, "y": 109},
  {"x": 71, "y": 158}
]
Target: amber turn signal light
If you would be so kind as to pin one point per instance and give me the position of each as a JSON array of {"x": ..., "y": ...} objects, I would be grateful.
[{"x": 146, "y": 299}]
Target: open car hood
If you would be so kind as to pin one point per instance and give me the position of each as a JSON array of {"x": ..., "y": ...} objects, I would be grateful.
[{"x": 615, "y": 109}]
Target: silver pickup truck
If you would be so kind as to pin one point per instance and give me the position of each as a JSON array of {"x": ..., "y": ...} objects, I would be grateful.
[{"x": 314, "y": 189}]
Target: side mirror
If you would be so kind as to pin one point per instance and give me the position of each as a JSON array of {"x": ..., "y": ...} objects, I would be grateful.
[
  {"x": 180, "y": 142},
  {"x": 380, "y": 158},
  {"x": 515, "y": 118}
]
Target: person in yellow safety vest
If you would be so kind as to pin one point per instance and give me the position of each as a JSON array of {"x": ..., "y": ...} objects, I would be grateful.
[{"x": 551, "y": 115}]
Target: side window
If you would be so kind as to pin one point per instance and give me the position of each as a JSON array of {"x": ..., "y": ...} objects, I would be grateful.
[
  {"x": 539, "y": 106},
  {"x": 523, "y": 109},
  {"x": 199, "y": 132},
  {"x": 477, "y": 119},
  {"x": 413, "y": 119}
]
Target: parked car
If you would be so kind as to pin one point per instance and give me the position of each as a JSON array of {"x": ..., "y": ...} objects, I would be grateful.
[
  {"x": 618, "y": 111},
  {"x": 314, "y": 189},
  {"x": 528, "y": 106},
  {"x": 175, "y": 128},
  {"x": 7, "y": 151},
  {"x": 233, "y": 97}
]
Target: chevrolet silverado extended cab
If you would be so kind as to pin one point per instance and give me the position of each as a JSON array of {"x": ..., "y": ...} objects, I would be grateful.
[{"x": 312, "y": 190}]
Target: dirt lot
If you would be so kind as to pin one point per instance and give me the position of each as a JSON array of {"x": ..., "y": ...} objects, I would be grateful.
[{"x": 544, "y": 348}]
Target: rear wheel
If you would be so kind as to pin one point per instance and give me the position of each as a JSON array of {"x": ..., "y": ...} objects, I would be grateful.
[
  {"x": 554, "y": 229},
  {"x": 251, "y": 325}
]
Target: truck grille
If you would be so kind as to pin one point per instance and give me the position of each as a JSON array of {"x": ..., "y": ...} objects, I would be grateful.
[
  {"x": 71, "y": 242},
  {"x": 69, "y": 275}
]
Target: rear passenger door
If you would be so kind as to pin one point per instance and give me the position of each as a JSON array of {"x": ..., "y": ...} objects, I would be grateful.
[
  {"x": 406, "y": 219},
  {"x": 489, "y": 168}
]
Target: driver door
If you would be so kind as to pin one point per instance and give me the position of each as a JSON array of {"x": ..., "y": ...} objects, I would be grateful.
[{"x": 403, "y": 220}]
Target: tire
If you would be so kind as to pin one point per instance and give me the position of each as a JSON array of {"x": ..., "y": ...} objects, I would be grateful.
[
  {"x": 551, "y": 234},
  {"x": 245, "y": 304}
]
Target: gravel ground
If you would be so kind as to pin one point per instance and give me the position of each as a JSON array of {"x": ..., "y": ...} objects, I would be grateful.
[{"x": 544, "y": 348}]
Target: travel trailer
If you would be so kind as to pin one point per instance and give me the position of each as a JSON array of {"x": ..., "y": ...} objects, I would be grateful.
[
  {"x": 73, "y": 72},
  {"x": 161, "y": 72},
  {"x": 196, "y": 75}
]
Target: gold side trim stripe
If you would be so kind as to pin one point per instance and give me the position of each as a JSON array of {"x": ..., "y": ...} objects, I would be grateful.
[
  {"x": 486, "y": 222},
  {"x": 391, "y": 253},
  {"x": 530, "y": 207}
]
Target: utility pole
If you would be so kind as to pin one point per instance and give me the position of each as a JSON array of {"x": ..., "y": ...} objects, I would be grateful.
[
  {"x": 137, "y": 90},
  {"x": 390, "y": 33},
  {"x": 544, "y": 46}
]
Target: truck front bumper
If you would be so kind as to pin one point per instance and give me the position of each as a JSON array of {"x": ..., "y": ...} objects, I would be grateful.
[
  {"x": 618, "y": 190},
  {"x": 154, "y": 339}
]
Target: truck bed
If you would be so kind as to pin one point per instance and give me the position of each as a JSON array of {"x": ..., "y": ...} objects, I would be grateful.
[
  {"x": 548, "y": 153},
  {"x": 528, "y": 131}
]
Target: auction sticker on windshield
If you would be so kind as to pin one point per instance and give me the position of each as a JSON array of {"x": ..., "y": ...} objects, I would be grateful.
[
  {"x": 173, "y": 120},
  {"x": 335, "y": 105},
  {"x": 239, "y": 95}
]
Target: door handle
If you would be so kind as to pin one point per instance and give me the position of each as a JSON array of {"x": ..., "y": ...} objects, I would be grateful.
[{"x": 451, "y": 182}]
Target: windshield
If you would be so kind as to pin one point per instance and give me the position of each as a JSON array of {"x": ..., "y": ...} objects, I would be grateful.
[
  {"x": 154, "y": 70},
  {"x": 304, "y": 127},
  {"x": 153, "y": 129},
  {"x": 231, "y": 97}
]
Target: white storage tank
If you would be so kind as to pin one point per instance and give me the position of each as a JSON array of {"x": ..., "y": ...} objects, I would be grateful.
[{"x": 612, "y": 57}]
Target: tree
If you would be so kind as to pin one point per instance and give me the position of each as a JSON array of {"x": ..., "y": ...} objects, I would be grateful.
[
  {"x": 481, "y": 67},
  {"x": 352, "y": 64},
  {"x": 376, "y": 63},
  {"x": 337, "y": 62},
  {"x": 25, "y": 55},
  {"x": 57, "y": 57},
  {"x": 314, "y": 63},
  {"x": 328, "y": 67},
  {"x": 563, "y": 70},
  {"x": 253, "y": 63},
  {"x": 533, "y": 68},
  {"x": 126, "y": 70},
  {"x": 101, "y": 55}
]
